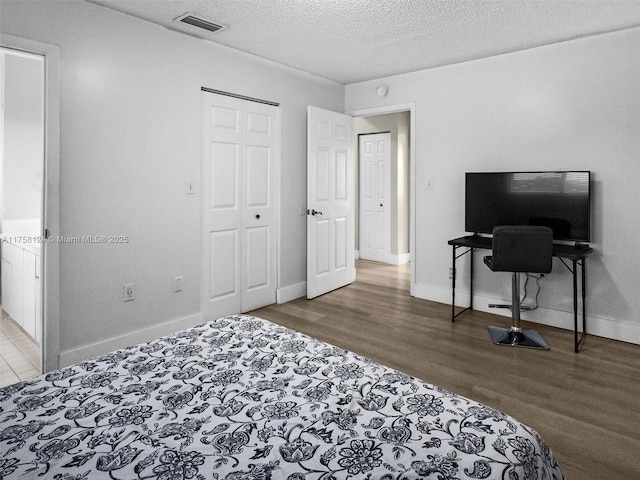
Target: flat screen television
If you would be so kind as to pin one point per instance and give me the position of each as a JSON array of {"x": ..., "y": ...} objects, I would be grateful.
[{"x": 560, "y": 200}]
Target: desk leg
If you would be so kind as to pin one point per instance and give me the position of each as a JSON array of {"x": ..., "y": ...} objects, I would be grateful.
[
  {"x": 584, "y": 305},
  {"x": 471, "y": 279},
  {"x": 453, "y": 284},
  {"x": 575, "y": 305}
]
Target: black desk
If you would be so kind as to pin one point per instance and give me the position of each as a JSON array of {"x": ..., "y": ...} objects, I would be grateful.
[{"x": 566, "y": 253}]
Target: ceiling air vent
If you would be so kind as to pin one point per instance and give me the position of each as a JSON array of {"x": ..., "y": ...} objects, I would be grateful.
[{"x": 199, "y": 22}]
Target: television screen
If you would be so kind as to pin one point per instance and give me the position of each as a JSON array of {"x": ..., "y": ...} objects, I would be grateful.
[{"x": 559, "y": 200}]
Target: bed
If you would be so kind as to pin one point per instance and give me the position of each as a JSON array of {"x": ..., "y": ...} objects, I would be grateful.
[{"x": 241, "y": 398}]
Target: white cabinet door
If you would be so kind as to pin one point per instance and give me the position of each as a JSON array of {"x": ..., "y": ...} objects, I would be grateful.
[
  {"x": 330, "y": 201},
  {"x": 12, "y": 281},
  {"x": 21, "y": 294},
  {"x": 29, "y": 294},
  {"x": 38, "y": 295},
  {"x": 240, "y": 155}
]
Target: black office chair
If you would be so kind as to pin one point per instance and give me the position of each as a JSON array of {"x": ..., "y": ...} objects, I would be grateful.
[{"x": 519, "y": 249}]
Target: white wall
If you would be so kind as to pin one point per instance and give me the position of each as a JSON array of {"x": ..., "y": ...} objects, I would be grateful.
[
  {"x": 574, "y": 105},
  {"x": 131, "y": 137}
]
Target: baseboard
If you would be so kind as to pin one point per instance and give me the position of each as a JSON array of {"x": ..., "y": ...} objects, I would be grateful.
[
  {"x": 286, "y": 294},
  {"x": 80, "y": 354},
  {"x": 400, "y": 259},
  {"x": 440, "y": 295},
  {"x": 600, "y": 326}
]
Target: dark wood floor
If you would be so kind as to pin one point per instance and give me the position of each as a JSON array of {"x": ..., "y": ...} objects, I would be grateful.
[{"x": 585, "y": 405}]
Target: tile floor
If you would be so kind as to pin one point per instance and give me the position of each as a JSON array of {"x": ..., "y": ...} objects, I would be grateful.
[{"x": 19, "y": 355}]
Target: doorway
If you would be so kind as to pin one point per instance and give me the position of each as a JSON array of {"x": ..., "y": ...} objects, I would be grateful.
[
  {"x": 22, "y": 162},
  {"x": 49, "y": 280},
  {"x": 394, "y": 180},
  {"x": 407, "y": 174}
]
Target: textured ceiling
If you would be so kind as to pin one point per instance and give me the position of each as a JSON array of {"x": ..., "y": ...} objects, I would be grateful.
[{"x": 354, "y": 40}]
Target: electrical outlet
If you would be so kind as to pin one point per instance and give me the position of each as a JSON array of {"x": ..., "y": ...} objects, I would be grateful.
[
  {"x": 177, "y": 284},
  {"x": 190, "y": 187},
  {"x": 129, "y": 292},
  {"x": 450, "y": 273}
]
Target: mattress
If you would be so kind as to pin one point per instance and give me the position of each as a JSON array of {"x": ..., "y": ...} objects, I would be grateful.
[{"x": 243, "y": 398}]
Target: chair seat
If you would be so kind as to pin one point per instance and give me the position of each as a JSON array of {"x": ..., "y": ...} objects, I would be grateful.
[{"x": 522, "y": 249}]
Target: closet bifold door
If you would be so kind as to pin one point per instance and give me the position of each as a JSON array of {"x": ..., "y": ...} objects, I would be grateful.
[{"x": 240, "y": 158}]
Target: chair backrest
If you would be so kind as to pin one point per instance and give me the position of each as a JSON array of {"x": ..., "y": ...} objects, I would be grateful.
[{"x": 522, "y": 248}]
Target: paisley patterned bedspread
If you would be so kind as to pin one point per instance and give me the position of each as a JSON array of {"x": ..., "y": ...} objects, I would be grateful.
[{"x": 241, "y": 398}]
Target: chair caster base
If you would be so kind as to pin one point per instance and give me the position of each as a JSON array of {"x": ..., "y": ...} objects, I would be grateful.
[{"x": 516, "y": 337}]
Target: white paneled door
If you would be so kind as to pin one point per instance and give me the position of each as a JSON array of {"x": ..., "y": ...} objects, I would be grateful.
[
  {"x": 240, "y": 161},
  {"x": 375, "y": 196},
  {"x": 330, "y": 201}
]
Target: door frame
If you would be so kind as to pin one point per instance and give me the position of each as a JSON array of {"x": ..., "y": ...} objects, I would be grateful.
[
  {"x": 411, "y": 108},
  {"x": 50, "y": 287}
]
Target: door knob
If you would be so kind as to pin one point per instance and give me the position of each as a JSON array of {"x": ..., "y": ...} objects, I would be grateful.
[
  {"x": 258, "y": 216},
  {"x": 314, "y": 212}
]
